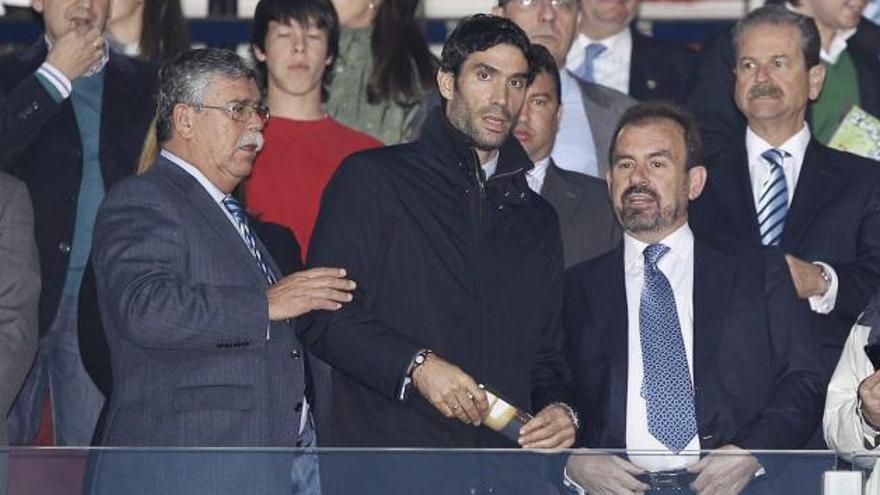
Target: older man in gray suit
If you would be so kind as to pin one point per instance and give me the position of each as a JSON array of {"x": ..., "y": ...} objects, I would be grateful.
[
  {"x": 199, "y": 323},
  {"x": 586, "y": 220},
  {"x": 591, "y": 111},
  {"x": 19, "y": 291}
]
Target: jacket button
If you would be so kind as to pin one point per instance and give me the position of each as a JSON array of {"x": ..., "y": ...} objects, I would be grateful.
[
  {"x": 299, "y": 407},
  {"x": 64, "y": 247},
  {"x": 500, "y": 207},
  {"x": 295, "y": 354},
  {"x": 76, "y": 153},
  {"x": 35, "y": 105}
]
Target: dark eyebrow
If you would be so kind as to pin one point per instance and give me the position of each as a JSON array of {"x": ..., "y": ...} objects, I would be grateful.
[
  {"x": 492, "y": 70},
  {"x": 541, "y": 95},
  {"x": 660, "y": 153}
]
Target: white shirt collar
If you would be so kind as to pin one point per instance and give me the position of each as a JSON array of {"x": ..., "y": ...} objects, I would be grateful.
[
  {"x": 838, "y": 43},
  {"x": 680, "y": 243},
  {"x": 618, "y": 44},
  {"x": 535, "y": 176},
  {"x": 490, "y": 166},
  {"x": 796, "y": 146},
  {"x": 209, "y": 186}
]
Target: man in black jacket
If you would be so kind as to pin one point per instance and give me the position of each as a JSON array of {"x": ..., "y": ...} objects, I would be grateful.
[{"x": 458, "y": 265}]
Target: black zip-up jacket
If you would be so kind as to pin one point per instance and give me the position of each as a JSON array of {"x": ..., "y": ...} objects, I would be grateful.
[{"x": 444, "y": 260}]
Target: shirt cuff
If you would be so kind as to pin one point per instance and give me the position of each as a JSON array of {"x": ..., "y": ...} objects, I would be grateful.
[
  {"x": 572, "y": 485},
  {"x": 869, "y": 433},
  {"x": 58, "y": 85},
  {"x": 824, "y": 304}
]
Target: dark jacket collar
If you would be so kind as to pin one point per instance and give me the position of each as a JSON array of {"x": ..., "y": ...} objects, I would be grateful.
[{"x": 443, "y": 139}]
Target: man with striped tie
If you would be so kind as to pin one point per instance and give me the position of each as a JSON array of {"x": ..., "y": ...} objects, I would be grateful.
[
  {"x": 781, "y": 187},
  {"x": 199, "y": 321}
]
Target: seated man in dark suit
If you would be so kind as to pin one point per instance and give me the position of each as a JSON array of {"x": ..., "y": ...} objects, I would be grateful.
[
  {"x": 776, "y": 185},
  {"x": 586, "y": 221},
  {"x": 610, "y": 51},
  {"x": 677, "y": 346}
]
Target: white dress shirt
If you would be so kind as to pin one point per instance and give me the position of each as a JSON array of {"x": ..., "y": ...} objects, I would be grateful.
[
  {"x": 611, "y": 67},
  {"x": 490, "y": 166},
  {"x": 535, "y": 176},
  {"x": 678, "y": 266},
  {"x": 759, "y": 172},
  {"x": 574, "y": 148}
]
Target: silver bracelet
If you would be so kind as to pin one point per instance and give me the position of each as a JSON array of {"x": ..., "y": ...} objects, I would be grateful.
[{"x": 572, "y": 414}]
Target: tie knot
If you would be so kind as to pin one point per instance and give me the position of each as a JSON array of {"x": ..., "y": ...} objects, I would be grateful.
[
  {"x": 593, "y": 50},
  {"x": 774, "y": 156},
  {"x": 654, "y": 252},
  {"x": 234, "y": 207}
]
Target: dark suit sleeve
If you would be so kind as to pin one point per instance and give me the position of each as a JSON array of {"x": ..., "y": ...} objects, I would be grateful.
[
  {"x": 140, "y": 257},
  {"x": 351, "y": 233},
  {"x": 24, "y": 110},
  {"x": 551, "y": 377},
  {"x": 795, "y": 406},
  {"x": 858, "y": 280}
]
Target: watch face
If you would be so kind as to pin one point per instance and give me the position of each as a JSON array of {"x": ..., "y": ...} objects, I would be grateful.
[{"x": 420, "y": 359}]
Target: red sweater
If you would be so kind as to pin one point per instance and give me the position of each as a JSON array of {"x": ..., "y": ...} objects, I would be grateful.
[{"x": 296, "y": 163}]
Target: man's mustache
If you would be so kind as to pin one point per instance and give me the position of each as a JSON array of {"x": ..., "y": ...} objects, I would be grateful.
[
  {"x": 631, "y": 190},
  {"x": 252, "y": 139},
  {"x": 763, "y": 91}
]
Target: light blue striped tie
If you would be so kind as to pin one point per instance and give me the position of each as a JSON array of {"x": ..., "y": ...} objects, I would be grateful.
[
  {"x": 586, "y": 71},
  {"x": 667, "y": 389},
  {"x": 237, "y": 210},
  {"x": 773, "y": 203}
]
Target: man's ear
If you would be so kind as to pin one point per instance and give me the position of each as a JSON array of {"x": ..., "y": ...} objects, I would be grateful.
[
  {"x": 498, "y": 11},
  {"x": 182, "y": 118},
  {"x": 259, "y": 54},
  {"x": 696, "y": 181},
  {"x": 446, "y": 84},
  {"x": 817, "y": 80},
  {"x": 38, "y": 6}
]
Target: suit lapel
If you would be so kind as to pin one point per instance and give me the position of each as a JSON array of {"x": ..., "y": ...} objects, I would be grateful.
[
  {"x": 612, "y": 299},
  {"x": 210, "y": 210},
  {"x": 817, "y": 183},
  {"x": 733, "y": 187},
  {"x": 638, "y": 61},
  {"x": 712, "y": 285},
  {"x": 601, "y": 118},
  {"x": 120, "y": 92},
  {"x": 564, "y": 198}
]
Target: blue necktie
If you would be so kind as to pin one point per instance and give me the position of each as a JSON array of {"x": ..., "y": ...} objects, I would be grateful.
[
  {"x": 237, "y": 210},
  {"x": 773, "y": 202},
  {"x": 591, "y": 53},
  {"x": 667, "y": 382}
]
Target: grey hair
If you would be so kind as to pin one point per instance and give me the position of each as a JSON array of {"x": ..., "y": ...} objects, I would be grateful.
[
  {"x": 778, "y": 15},
  {"x": 184, "y": 79}
]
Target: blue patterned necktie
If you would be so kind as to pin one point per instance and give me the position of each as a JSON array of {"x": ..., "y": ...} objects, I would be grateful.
[
  {"x": 667, "y": 382},
  {"x": 773, "y": 202},
  {"x": 586, "y": 71},
  {"x": 238, "y": 213}
]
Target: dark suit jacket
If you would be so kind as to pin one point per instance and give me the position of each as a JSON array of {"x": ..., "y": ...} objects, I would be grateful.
[
  {"x": 834, "y": 218},
  {"x": 185, "y": 313},
  {"x": 711, "y": 99},
  {"x": 756, "y": 381},
  {"x": 660, "y": 69},
  {"x": 586, "y": 220},
  {"x": 40, "y": 144}
]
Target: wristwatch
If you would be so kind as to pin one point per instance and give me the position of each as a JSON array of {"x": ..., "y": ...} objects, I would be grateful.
[
  {"x": 417, "y": 360},
  {"x": 826, "y": 277}
]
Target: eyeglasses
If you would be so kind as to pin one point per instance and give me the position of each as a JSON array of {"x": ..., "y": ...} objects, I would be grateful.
[
  {"x": 238, "y": 111},
  {"x": 558, "y": 5}
]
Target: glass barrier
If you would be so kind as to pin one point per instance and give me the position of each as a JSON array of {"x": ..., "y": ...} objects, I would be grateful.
[{"x": 212, "y": 471}]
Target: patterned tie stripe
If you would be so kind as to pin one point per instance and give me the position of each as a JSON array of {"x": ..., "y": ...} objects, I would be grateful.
[
  {"x": 587, "y": 69},
  {"x": 238, "y": 212},
  {"x": 667, "y": 388},
  {"x": 773, "y": 203}
]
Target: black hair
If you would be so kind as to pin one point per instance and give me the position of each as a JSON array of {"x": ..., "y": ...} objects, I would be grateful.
[
  {"x": 651, "y": 111},
  {"x": 164, "y": 34},
  {"x": 321, "y": 13},
  {"x": 403, "y": 66},
  {"x": 478, "y": 33},
  {"x": 543, "y": 62}
]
